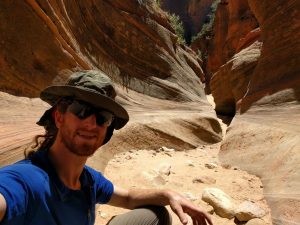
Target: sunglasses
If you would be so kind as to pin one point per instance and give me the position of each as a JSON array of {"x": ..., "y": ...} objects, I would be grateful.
[{"x": 83, "y": 110}]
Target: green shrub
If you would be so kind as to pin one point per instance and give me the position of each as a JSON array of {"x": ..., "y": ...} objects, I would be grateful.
[
  {"x": 199, "y": 54},
  {"x": 208, "y": 25},
  {"x": 158, "y": 3},
  {"x": 177, "y": 25},
  {"x": 175, "y": 21}
]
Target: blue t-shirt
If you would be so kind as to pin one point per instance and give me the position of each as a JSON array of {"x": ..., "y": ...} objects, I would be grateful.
[{"x": 35, "y": 195}]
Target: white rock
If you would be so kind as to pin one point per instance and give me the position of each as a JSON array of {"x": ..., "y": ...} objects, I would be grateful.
[
  {"x": 204, "y": 180},
  {"x": 154, "y": 177},
  {"x": 190, "y": 163},
  {"x": 165, "y": 149},
  {"x": 211, "y": 165},
  {"x": 248, "y": 210},
  {"x": 165, "y": 169},
  {"x": 103, "y": 215},
  {"x": 221, "y": 202}
]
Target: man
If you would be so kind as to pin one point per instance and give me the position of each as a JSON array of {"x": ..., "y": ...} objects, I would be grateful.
[{"x": 53, "y": 186}]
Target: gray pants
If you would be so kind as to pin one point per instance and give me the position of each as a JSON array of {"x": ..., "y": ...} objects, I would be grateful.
[{"x": 148, "y": 215}]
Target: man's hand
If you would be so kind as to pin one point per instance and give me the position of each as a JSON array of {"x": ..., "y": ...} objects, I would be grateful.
[
  {"x": 181, "y": 205},
  {"x": 133, "y": 198}
]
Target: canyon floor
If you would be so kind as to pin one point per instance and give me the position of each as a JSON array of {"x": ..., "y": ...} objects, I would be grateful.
[{"x": 139, "y": 168}]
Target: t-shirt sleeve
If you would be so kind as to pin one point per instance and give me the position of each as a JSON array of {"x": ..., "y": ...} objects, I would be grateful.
[
  {"x": 14, "y": 190},
  {"x": 104, "y": 188}
]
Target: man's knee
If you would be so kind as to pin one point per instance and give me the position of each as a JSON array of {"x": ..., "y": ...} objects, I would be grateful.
[
  {"x": 147, "y": 215},
  {"x": 162, "y": 214}
]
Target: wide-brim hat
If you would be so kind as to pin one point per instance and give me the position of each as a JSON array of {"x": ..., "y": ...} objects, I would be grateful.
[{"x": 91, "y": 86}]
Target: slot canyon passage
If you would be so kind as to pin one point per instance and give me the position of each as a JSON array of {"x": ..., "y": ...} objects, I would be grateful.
[{"x": 217, "y": 120}]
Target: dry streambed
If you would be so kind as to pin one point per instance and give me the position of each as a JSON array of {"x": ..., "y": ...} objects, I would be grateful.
[{"x": 229, "y": 194}]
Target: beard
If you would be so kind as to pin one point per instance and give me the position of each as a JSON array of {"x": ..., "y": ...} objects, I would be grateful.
[
  {"x": 74, "y": 143},
  {"x": 82, "y": 150}
]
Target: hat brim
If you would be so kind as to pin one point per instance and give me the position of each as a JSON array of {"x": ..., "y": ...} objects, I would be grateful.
[{"x": 53, "y": 93}]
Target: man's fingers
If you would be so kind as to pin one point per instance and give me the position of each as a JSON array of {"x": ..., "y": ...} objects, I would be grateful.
[
  {"x": 203, "y": 219},
  {"x": 208, "y": 219},
  {"x": 182, "y": 207},
  {"x": 182, "y": 216},
  {"x": 202, "y": 216},
  {"x": 179, "y": 212}
]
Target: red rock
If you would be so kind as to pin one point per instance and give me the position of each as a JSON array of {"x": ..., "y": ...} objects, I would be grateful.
[
  {"x": 264, "y": 137},
  {"x": 250, "y": 38},
  {"x": 136, "y": 46},
  {"x": 230, "y": 83},
  {"x": 232, "y": 22}
]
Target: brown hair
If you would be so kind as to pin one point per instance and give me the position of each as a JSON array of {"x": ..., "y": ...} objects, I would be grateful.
[
  {"x": 46, "y": 140},
  {"x": 42, "y": 141}
]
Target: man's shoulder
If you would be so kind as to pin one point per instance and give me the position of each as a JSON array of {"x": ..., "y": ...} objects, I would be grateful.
[
  {"x": 24, "y": 171},
  {"x": 23, "y": 166}
]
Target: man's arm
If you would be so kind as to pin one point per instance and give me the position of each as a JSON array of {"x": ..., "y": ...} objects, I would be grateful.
[
  {"x": 2, "y": 207},
  {"x": 134, "y": 198}
]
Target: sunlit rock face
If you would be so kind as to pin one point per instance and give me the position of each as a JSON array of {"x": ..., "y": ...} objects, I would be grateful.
[
  {"x": 263, "y": 137},
  {"x": 230, "y": 83},
  {"x": 18, "y": 116},
  {"x": 233, "y": 21},
  {"x": 136, "y": 46},
  {"x": 30, "y": 54},
  {"x": 42, "y": 42}
]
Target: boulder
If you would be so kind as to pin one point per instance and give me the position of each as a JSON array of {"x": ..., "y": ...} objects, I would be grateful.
[
  {"x": 164, "y": 169},
  {"x": 222, "y": 203},
  {"x": 248, "y": 210}
]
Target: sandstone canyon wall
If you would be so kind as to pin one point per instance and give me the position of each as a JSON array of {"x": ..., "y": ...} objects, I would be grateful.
[
  {"x": 42, "y": 42},
  {"x": 70, "y": 34},
  {"x": 233, "y": 22},
  {"x": 261, "y": 85},
  {"x": 234, "y": 28}
]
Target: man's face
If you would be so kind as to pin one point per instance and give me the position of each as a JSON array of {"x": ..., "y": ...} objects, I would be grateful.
[{"x": 80, "y": 136}]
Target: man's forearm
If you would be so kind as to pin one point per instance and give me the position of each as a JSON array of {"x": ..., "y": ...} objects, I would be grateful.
[
  {"x": 134, "y": 197},
  {"x": 139, "y": 197}
]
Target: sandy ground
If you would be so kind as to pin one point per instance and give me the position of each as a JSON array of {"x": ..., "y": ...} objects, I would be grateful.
[
  {"x": 140, "y": 168},
  {"x": 137, "y": 168}
]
